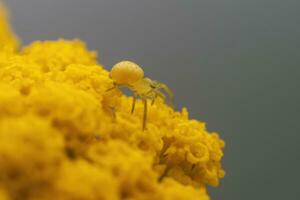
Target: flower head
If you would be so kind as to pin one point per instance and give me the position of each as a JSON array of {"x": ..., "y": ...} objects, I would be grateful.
[{"x": 63, "y": 135}]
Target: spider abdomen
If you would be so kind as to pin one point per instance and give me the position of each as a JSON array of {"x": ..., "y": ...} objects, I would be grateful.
[{"x": 126, "y": 72}]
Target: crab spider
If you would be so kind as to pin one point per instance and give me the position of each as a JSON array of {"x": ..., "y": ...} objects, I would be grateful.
[{"x": 129, "y": 74}]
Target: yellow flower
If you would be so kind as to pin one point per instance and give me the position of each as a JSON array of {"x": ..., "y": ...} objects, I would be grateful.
[
  {"x": 8, "y": 40},
  {"x": 63, "y": 135},
  {"x": 3, "y": 195}
]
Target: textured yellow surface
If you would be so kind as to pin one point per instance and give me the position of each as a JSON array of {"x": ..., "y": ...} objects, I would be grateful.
[
  {"x": 8, "y": 40},
  {"x": 60, "y": 137}
]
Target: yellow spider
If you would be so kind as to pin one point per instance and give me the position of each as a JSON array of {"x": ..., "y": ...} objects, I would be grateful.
[{"x": 130, "y": 75}]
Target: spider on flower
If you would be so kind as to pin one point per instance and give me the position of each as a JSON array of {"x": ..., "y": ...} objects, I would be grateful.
[{"x": 129, "y": 74}]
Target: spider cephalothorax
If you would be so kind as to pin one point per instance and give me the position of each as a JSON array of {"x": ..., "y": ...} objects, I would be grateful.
[{"x": 130, "y": 75}]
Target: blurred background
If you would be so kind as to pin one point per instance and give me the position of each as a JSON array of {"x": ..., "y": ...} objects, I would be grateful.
[{"x": 233, "y": 63}]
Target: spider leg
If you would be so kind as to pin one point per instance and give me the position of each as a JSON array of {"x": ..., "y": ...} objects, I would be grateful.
[
  {"x": 113, "y": 110},
  {"x": 153, "y": 100},
  {"x": 157, "y": 94},
  {"x": 145, "y": 114},
  {"x": 112, "y": 88},
  {"x": 115, "y": 85},
  {"x": 166, "y": 89},
  {"x": 133, "y": 102},
  {"x": 164, "y": 174}
]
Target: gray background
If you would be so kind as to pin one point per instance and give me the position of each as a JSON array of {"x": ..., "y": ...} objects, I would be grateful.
[{"x": 233, "y": 63}]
